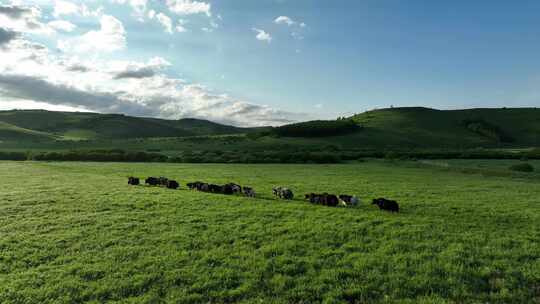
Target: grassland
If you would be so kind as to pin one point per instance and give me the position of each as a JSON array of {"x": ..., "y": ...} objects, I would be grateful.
[{"x": 76, "y": 232}]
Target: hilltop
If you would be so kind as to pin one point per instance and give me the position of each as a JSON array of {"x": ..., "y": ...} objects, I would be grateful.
[{"x": 424, "y": 127}]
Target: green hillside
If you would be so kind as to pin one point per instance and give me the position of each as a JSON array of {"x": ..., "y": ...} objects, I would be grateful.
[
  {"x": 90, "y": 126},
  {"x": 395, "y": 128},
  {"x": 423, "y": 127},
  {"x": 11, "y": 132}
]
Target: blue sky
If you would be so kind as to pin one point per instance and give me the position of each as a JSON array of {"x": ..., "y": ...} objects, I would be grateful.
[{"x": 273, "y": 61}]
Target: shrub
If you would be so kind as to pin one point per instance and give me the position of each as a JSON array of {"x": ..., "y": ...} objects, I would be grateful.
[
  {"x": 525, "y": 167},
  {"x": 317, "y": 128},
  {"x": 13, "y": 156},
  {"x": 486, "y": 129}
]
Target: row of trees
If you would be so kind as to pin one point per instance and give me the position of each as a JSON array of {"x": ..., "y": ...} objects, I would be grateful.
[{"x": 325, "y": 155}]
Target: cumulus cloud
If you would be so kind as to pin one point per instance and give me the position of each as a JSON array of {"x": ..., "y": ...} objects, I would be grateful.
[
  {"x": 166, "y": 22},
  {"x": 262, "y": 35},
  {"x": 6, "y": 36},
  {"x": 139, "y": 7},
  {"x": 33, "y": 88},
  {"x": 110, "y": 37},
  {"x": 31, "y": 73},
  {"x": 137, "y": 70},
  {"x": 288, "y": 21},
  {"x": 22, "y": 19},
  {"x": 66, "y": 8},
  {"x": 298, "y": 27},
  {"x": 284, "y": 20},
  {"x": 180, "y": 28},
  {"x": 189, "y": 7},
  {"x": 62, "y": 25}
]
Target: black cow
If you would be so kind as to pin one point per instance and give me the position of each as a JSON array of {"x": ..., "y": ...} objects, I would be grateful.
[
  {"x": 196, "y": 186},
  {"x": 163, "y": 181},
  {"x": 152, "y": 181},
  {"x": 385, "y": 204},
  {"x": 283, "y": 193},
  {"x": 249, "y": 192},
  {"x": 236, "y": 189},
  {"x": 172, "y": 184},
  {"x": 331, "y": 200},
  {"x": 324, "y": 199},
  {"x": 215, "y": 188},
  {"x": 204, "y": 187},
  {"x": 349, "y": 200},
  {"x": 313, "y": 198},
  {"x": 134, "y": 181},
  {"x": 227, "y": 189}
]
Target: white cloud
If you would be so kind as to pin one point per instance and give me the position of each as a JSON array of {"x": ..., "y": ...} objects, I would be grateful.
[
  {"x": 284, "y": 20},
  {"x": 65, "y": 8},
  {"x": 62, "y": 25},
  {"x": 262, "y": 35},
  {"x": 110, "y": 37},
  {"x": 181, "y": 29},
  {"x": 297, "y": 29},
  {"x": 189, "y": 7},
  {"x": 139, "y": 7},
  {"x": 166, "y": 22},
  {"x": 62, "y": 7},
  {"x": 26, "y": 19},
  {"x": 29, "y": 73}
]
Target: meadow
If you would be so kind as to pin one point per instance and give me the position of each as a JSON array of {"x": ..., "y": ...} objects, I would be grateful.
[{"x": 74, "y": 232}]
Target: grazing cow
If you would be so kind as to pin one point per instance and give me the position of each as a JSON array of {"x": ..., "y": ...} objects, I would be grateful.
[
  {"x": 195, "y": 185},
  {"x": 331, "y": 200},
  {"x": 324, "y": 199},
  {"x": 313, "y": 198},
  {"x": 249, "y": 192},
  {"x": 283, "y": 193},
  {"x": 172, "y": 184},
  {"x": 349, "y": 200},
  {"x": 385, "y": 204},
  {"x": 204, "y": 187},
  {"x": 215, "y": 188},
  {"x": 236, "y": 189},
  {"x": 227, "y": 189},
  {"x": 152, "y": 181},
  {"x": 163, "y": 181},
  {"x": 134, "y": 181}
]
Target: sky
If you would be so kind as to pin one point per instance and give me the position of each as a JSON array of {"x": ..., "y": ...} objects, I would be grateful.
[{"x": 267, "y": 62}]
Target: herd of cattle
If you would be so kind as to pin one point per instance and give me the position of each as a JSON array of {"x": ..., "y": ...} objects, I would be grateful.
[{"x": 324, "y": 199}]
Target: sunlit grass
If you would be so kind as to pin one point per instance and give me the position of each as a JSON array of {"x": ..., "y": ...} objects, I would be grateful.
[{"x": 76, "y": 232}]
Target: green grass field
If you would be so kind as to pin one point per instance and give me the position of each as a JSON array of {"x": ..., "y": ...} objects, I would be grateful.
[{"x": 76, "y": 232}]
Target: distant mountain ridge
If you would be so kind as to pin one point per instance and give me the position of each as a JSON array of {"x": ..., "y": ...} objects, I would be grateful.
[
  {"x": 401, "y": 128},
  {"x": 88, "y": 126}
]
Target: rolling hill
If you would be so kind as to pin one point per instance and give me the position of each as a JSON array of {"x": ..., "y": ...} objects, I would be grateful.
[
  {"x": 424, "y": 127},
  {"x": 89, "y": 126},
  {"x": 395, "y": 128}
]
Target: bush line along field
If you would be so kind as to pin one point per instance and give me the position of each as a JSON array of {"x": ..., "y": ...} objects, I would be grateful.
[
  {"x": 76, "y": 232},
  {"x": 293, "y": 156}
]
